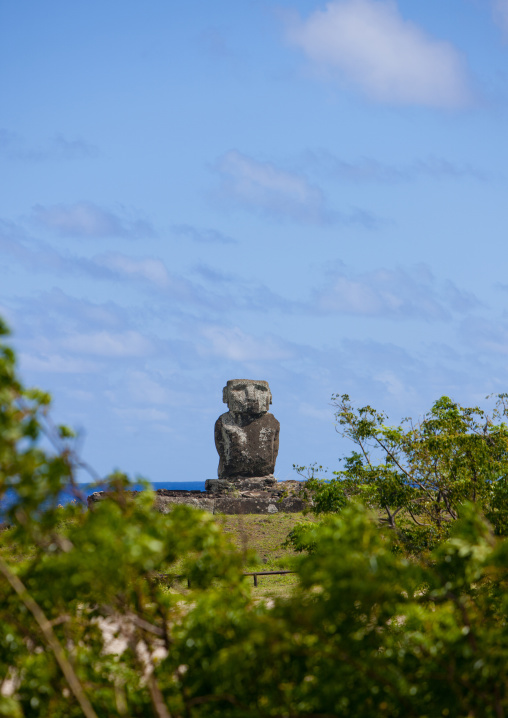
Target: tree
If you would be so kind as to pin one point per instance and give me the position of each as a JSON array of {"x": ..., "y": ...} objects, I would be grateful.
[
  {"x": 421, "y": 471},
  {"x": 69, "y": 576}
]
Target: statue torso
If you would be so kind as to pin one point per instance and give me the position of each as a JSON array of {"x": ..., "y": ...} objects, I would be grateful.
[{"x": 247, "y": 445}]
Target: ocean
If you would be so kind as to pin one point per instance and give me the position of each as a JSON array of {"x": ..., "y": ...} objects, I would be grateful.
[
  {"x": 88, "y": 489},
  {"x": 66, "y": 496},
  {"x": 180, "y": 485}
]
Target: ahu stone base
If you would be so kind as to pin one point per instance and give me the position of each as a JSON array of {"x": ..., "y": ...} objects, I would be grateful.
[{"x": 251, "y": 497}]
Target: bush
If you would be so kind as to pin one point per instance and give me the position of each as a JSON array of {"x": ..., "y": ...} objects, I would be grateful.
[{"x": 421, "y": 472}]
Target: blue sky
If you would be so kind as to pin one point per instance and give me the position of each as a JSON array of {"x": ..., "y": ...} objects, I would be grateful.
[{"x": 314, "y": 194}]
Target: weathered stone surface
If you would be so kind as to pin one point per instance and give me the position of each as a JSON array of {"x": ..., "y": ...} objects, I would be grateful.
[
  {"x": 241, "y": 484},
  {"x": 164, "y": 504},
  {"x": 253, "y": 505},
  {"x": 255, "y": 502},
  {"x": 257, "y": 505},
  {"x": 246, "y": 436},
  {"x": 291, "y": 505},
  {"x": 219, "y": 486},
  {"x": 165, "y": 499}
]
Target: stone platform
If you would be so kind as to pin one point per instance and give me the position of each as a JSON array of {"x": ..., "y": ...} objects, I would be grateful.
[{"x": 258, "y": 495}]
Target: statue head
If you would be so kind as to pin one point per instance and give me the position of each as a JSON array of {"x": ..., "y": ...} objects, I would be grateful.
[{"x": 247, "y": 396}]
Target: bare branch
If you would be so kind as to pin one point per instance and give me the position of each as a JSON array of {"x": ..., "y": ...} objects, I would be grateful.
[
  {"x": 418, "y": 523},
  {"x": 52, "y": 640}
]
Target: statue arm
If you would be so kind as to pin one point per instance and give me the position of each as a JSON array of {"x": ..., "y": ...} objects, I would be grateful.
[
  {"x": 219, "y": 440},
  {"x": 276, "y": 443},
  {"x": 219, "y": 445}
]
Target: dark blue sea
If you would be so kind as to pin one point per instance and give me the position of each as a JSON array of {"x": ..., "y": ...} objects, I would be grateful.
[
  {"x": 87, "y": 489},
  {"x": 185, "y": 485}
]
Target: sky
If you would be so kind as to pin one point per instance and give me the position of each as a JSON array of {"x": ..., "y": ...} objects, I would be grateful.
[{"x": 308, "y": 193}]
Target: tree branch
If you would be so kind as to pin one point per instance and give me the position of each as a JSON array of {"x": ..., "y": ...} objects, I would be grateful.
[{"x": 51, "y": 639}]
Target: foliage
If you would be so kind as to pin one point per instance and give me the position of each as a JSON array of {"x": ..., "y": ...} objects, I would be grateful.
[
  {"x": 88, "y": 626},
  {"x": 382, "y": 635},
  {"x": 71, "y": 577},
  {"x": 418, "y": 474}
]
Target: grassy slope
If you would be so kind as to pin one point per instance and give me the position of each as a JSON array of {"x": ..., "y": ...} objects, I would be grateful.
[{"x": 264, "y": 535}]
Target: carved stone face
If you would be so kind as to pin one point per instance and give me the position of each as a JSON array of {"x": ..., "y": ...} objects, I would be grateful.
[{"x": 246, "y": 396}]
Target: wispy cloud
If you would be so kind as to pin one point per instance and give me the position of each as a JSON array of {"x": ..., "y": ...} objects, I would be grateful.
[
  {"x": 400, "y": 293},
  {"x": 485, "y": 336},
  {"x": 392, "y": 371},
  {"x": 73, "y": 314},
  {"x": 39, "y": 256},
  {"x": 202, "y": 234},
  {"x": 15, "y": 147},
  {"x": 234, "y": 344},
  {"x": 30, "y": 253},
  {"x": 369, "y": 44},
  {"x": 210, "y": 291},
  {"x": 366, "y": 169},
  {"x": 500, "y": 10},
  {"x": 87, "y": 220},
  {"x": 138, "y": 414},
  {"x": 268, "y": 189},
  {"x": 404, "y": 380},
  {"x": 392, "y": 293},
  {"x": 150, "y": 269},
  {"x": 145, "y": 389},
  {"x": 56, "y": 363},
  {"x": 109, "y": 344},
  {"x": 63, "y": 334},
  {"x": 214, "y": 42},
  {"x": 147, "y": 273},
  {"x": 234, "y": 292},
  {"x": 265, "y": 188}
]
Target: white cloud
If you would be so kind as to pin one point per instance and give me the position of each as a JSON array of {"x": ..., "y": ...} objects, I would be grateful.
[
  {"x": 110, "y": 344},
  {"x": 56, "y": 363},
  {"x": 395, "y": 384},
  {"x": 81, "y": 395},
  {"x": 87, "y": 220},
  {"x": 233, "y": 343},
  {"x": 368, "y": 43},
  {"x": 485, "y": 336},
  {"x": 39, "y": 256},
  {"x": 321, "y": 414},
  {"x": 144, "y": 389},
  {"x": 264, "y": 187},
  {"x": 63, "y": 148},
  {"x": 367, "y": 169},
  {"x": 398, "y": 293},
  {"x": 14, "y": 147},
  {"x": 140, "y": 415},
  {"x": 500, "y": 9},
  {"x": 150, "y": 269},
  {"x": 202, "y": 234}
]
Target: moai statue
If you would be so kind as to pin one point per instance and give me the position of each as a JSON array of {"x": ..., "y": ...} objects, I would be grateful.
[{"x": 247, "y": 436}]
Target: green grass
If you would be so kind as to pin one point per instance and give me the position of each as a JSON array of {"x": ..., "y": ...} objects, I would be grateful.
[
  {"x": 260, "y": 537},
  {"x": 264, "y": 535}
]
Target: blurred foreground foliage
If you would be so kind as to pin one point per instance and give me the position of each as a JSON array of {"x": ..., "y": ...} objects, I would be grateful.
[{"x": 88, "y": 628}]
